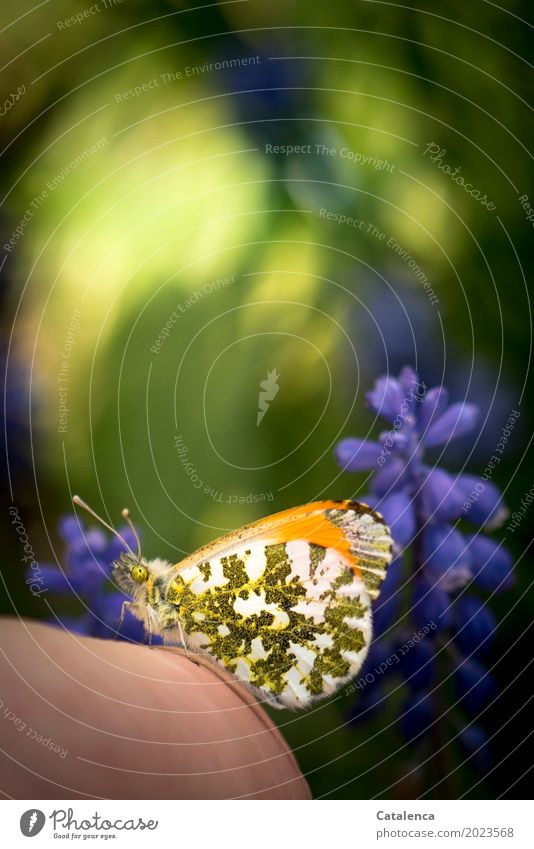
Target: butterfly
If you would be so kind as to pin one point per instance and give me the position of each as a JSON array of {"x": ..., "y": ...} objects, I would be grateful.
[{"x": 283, "y": 603}]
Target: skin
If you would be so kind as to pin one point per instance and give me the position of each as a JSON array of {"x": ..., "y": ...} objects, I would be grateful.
[{"x": 130, "y": 722}]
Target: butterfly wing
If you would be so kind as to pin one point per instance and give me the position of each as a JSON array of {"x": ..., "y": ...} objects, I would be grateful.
[{"x": 285, "y": 603}]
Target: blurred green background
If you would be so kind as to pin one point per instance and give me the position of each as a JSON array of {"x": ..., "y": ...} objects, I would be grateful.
[{"x": 141, "y": 154}]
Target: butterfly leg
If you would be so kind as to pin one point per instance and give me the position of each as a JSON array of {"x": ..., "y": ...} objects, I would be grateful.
[
  {"x": 121, "y": 617},
  {"x": 172, "y": 642},
  {"x": 184, "y": 644},
  {"x": 149, "y": 632}
]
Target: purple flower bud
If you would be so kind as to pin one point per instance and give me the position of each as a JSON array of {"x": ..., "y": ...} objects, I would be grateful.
[
  {"x": 475, "y": 742},
  {"x": 432, "y": 407},
  {"x": 96, "y": 541},
  {"x": 357, "y": 455},
  {"x": 387, "y": 606},
  {"x": 85, "y": 572},
  {"x": 474, "y": 623},
  {"x": 92, "y": 541},
  {"x": 376, "y": 664},
  {"x": 71, "y": 529},
  {"x": 441, "y": 497},
  {"x": 415, "y": 720},
  {"x": 53, "y": 579},
  {"x": 431, "y": 604},
  {"x": 386, "y": 398},
  {"x": 390, "y": 476},
  {"x": 398, "y": 511},
  {"x": 482, "y": 502},
  {"x": 418, "y": 664},
  {"x": 447, "y": 556},
  {"x": 408, "y": 379},
  {"x": 413, "y": 390},
  {"x": 491, "y": 564},
  {"x": 457, "y": 420},
  {"x": 394, "y": 441},
  {"x": 474, "y": 685}
]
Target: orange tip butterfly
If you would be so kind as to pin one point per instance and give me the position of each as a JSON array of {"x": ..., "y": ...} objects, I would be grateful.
[{"x": 283, "y": 603}]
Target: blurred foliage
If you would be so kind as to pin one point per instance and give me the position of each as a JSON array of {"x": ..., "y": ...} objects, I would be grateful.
[{"x": 181, "y": 192}]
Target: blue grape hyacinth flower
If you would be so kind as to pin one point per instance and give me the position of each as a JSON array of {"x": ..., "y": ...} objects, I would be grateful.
[
  {"x": 430, "y": 626},
  {"x": 86, "y": 574}
]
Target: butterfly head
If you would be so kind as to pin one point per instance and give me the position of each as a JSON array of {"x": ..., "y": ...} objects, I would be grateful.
[
  {"x": 133, "y": 575},
  {"x": 131, "y": 571}
]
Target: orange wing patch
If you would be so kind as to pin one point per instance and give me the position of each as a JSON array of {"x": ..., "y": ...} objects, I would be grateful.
[{"x": 317, "y": 529}]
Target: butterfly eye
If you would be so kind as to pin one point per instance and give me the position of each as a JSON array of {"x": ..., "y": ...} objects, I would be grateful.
[{"x": 139, "y": 573}]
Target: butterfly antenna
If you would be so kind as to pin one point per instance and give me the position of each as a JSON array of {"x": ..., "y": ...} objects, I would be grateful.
[
  {"x": 80, "y": 503},
  {"x": 126, "y": 517}
]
